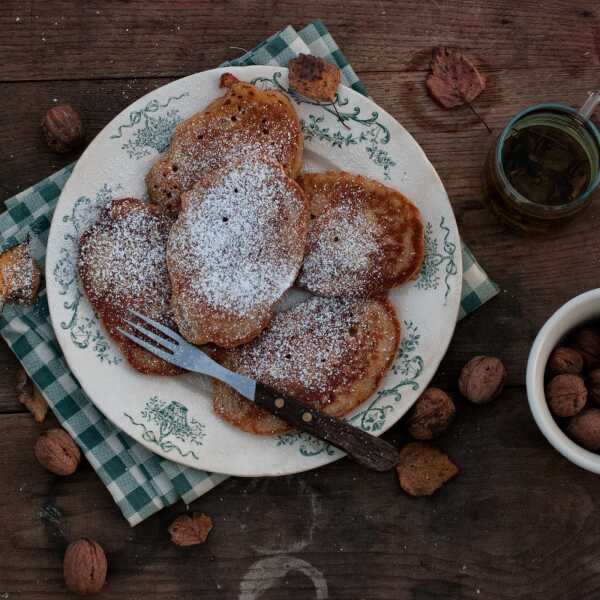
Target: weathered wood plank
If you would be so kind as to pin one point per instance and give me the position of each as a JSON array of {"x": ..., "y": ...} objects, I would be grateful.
[
  {"x": 525, "y": 268},
  {"x": 81, "y": 40},
  {"x": 518, "y": 522},
  {"x": 454, "y": 140},
  {"x": 8, "y": 372}
]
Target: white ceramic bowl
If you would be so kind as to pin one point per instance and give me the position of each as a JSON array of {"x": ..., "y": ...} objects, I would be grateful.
[{"x": 575, "y": 312}]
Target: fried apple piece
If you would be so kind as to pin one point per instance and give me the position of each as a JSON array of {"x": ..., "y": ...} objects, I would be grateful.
[
  {"x": 314, "y": 77},
  {"x": 20, "y": 276},
  {"x": 423, "y": 469}
]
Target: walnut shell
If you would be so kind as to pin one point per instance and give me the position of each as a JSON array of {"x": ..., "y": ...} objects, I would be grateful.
[
  {"x": 593, "y": 385},
  {"x": 189, "y": 530},
  {"x": 587, "y": 341},
  {"x": 63, "y": 128},
  {"x": 565, "y": 360},
  {"x": 584, "y": 428},
  {"x": 431, "y": 414},
  {"x": 482, "y": 379},
  {"x": 84, "y": 567},
  {"x": 57, "y": 452},
  {"x": 566, "y": 395}
]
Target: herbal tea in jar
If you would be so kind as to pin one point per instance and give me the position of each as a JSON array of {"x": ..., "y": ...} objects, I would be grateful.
[{"x": 544, "y": 166}]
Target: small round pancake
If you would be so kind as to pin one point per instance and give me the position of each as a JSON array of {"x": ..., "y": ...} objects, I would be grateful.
[
  {"x": 364, "y": 238},
  {"x": 122, "y": 265},
  {"x": 235, "y": 249},
  {"x": 245, "y": 122},
  {"x": 330, "y": 353}
]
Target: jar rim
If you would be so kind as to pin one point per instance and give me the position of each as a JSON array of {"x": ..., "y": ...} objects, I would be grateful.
[{"x": 517, "y": 196}]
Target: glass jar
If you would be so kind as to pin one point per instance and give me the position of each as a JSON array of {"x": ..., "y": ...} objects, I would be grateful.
[{"x": 511, "y": 205}]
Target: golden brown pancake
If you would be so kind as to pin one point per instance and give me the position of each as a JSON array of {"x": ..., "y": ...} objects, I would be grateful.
[
  {"x": 330, "y": 353},
  {"x": 122, "y": 265},
  {"x": 244, "y": 123},
  {"x": 235, "y": 249},
  {"x": 364, "y": 238}
]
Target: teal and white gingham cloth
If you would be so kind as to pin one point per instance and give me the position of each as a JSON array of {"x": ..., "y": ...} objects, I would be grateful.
[{"x": 141, "y": 482}]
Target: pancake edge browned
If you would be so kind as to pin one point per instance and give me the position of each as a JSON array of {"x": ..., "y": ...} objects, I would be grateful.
[
  {"x": 312, "y": 184},
  {"x": 161, "y": 176},
  {"x": 141, "y": 360},
  {"x": 253, "y": 419}
]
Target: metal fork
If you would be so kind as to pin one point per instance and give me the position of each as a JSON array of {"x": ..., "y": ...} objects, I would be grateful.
[{"x": 364, "y": 448}]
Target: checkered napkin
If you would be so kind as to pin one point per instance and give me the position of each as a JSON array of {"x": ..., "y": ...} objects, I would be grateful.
[{"x": 141, "y": 482}]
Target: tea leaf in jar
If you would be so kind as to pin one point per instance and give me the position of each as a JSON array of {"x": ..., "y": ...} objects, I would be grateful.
[{"x": 546, "y": 164}]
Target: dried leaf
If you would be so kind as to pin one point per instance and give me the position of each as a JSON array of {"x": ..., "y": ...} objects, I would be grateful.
[
  {"x": 423, "y": 469},
  {"x": 23, "y": 380},
  {"x": 314, "y": 77},
  {"x": 189, "y": 530},
  {"x": 454, "y": 80},
  {"x": 38, "y": 406},
  {"x": 29, "y": 395}
]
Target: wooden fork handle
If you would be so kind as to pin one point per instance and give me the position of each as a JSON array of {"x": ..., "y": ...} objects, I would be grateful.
[{"x": 368, "y": 450}]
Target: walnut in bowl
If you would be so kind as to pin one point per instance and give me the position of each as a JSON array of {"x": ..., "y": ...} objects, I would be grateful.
[{"x": 555, "y": 406}]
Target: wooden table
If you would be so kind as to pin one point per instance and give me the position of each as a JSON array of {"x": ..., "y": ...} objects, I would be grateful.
[{"x": 519, "y": 521}]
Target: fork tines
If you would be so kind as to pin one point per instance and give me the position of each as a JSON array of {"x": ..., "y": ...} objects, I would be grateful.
[{"x": 167, "y": 343}]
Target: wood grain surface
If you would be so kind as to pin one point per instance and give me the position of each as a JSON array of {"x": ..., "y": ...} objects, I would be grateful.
[{"x": 519, "y": 521}]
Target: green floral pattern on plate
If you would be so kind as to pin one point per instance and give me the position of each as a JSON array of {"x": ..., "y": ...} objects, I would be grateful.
[
  {"x": 372, "y": 136},
  {"x": 408, "y": 365},
  {"x": 84, "y": 331},
  {"x": 333, "y": 130},
  {"x": 439, "y": 254},
  {"x": 168, "y": 426},
  {"x": 154, "y": 131}
]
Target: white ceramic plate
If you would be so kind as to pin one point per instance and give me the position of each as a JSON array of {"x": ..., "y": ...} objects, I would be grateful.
[{"x": 173, "y": 416}]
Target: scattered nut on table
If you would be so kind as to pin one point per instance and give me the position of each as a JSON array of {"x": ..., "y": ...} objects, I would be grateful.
[
  {"x": 63, "y": 128},
  {"x": 29, "y": 395},
  {"x": 584, "y": 428},
  {"x": 57, "y": 452},
  {"x": 189, "y": 530},
  {"x": 20, "y": 276},
  {"x": 587, "y": 341},
  {"x": 84, "y": 567},
  {"x": 482, "y": 379},
  {"x": 423, "y": 469},
  {"x": 431, "y": 415},
  {"x": 566, "y": 394},
  {"x": 565, "y": 360}
]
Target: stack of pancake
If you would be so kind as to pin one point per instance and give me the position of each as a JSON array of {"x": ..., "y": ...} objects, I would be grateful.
[{"x": 231, "y": 226}]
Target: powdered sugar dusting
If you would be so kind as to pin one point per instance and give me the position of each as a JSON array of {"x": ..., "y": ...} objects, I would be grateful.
[
  {"x": 343, "y": 251},
  {"x": 123, "y": 260},
  {"x": 194, "y": 160},
  {"x": 234, "y": 244},
  {"x": 243, "y": 124},
  {"x": 309, "y": 346}
]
